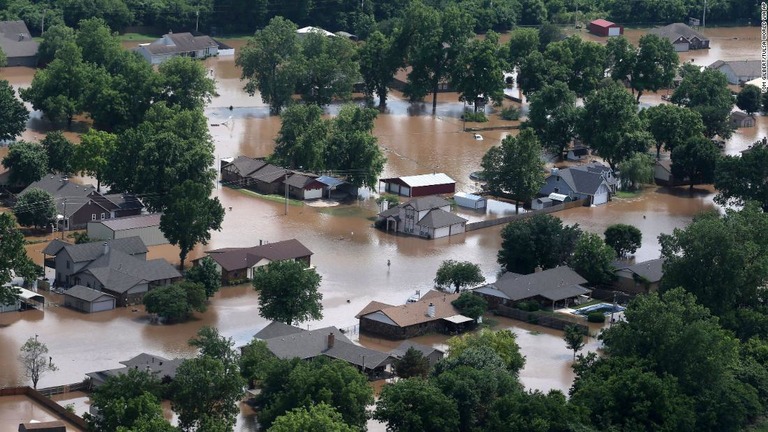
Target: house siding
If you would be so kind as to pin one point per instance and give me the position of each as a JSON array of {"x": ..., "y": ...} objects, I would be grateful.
[{"x": 396, "y": 332}]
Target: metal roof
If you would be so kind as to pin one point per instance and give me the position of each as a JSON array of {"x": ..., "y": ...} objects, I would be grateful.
[
  {"x": 318, "y": 30},
  {"x": 26, "y": 294},
  {"x": 468, "y": 196},
  {"x": 329, "y": 181},
  {"x": 458, "y": 319},
  {"x": 425, "y": 180}
]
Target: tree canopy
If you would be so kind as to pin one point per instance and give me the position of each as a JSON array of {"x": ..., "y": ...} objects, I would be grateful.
[
  {"x": 540, "y": 241},
  {"x": 707, "y": 93},
  {"x": 176, "y": 302},
  {"x": 27, "y": 162},
  {"x": 478, "y": 72},
  {"x": 207, "y": 274},
  {"x": 379, "y": 60},
  {"x": 13, "y": 113},
  {"x": 671, "y": 125},
  {"x": 655, "y": 66},
  {"x": 552, "y": 115},
  {"x": 316, "y": 418},
  {"x": 739, "y": 179},
  {"x": 749, "y": 99},
  {"x": 695, "y": 160},
  {"x": 411, "y": 405},
  {"x": 458, "y": 275},
  {"x": 13, "y": 258},
  {"x": 624, "y": 239},
  {"x": 502, "y": 342},
  {"x": 127, "y": 401},
  {"x": 35, "y": 208},
  {"x": 636, "y": 170},
  {"x": 288, "y": 292},
  {"x": 593, "y": 259},
  {"x": 470, "y": 305},
  {"x": 60, "y": 151},
  {"x": 35, "y": 360},
  {"x": 412, "y": 364}
]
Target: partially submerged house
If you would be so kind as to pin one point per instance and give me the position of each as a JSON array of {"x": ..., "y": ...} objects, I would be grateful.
[
  {"x": 429, "y": 217},
  {"x": 682, "y": 37},
  {"x": 738, "y": 71},
  {"x": 117, "y": 267},
  {"x": 433, "y": 312},
  {"x": 178, "y": 45},
  {"x": 238, "y": 264},
  {"x": 265, "y": 178},
  {"x": 17, "y": 44},
  {"x": 304, "y": 186},
  {"x": 475, "y": 202},
  {"x": 548, "y": 288},
  {"x": 741, "y": 119},
  {"x": 420, "y": 185},
  {"x": 594, "y": 182},
  {"x": 162, "y": 368},
  {"x": 146, "y": 227},
  {"x": 287, "y": 342},
  {"x": 639, "y": 278},
  {"x": 88, "y": 300},
  {"x": 432, "y": 354}
]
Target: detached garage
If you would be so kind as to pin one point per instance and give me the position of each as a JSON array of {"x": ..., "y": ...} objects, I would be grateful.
[
  {"x": 469, "y": 200},
  {"x": 420, "y": 185},
  {"x": 601, "y": 27},
  {"x": 147, "y": 227},
  {"x": 88, "y": 300}
]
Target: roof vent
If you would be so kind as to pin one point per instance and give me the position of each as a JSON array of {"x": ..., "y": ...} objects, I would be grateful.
[{"x": 431, "y": 310}]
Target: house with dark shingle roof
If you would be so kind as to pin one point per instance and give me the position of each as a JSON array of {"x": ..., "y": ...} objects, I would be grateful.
[
  {"x": 547, "y": 287},
  {"x": 162, "y": 368},
  {"x": 429, "y": 217},
  {"x": 17, "y": 44},
  {"x": 682, "y": 37},
  {"x": 304, "y": 186},
  {"x": 433, "y": 312},
  {"x": 178, "y": 44},
  {"x": 639, "y": 278},
  {"x": 287, "y": 342},
  {"x": 237, "y": 264},
  {"x": 238, "y": 169},
  {"x": 432, "y": 354},
  {"x": 594, "y": 182},
  {"x": 88, "y": 300}
]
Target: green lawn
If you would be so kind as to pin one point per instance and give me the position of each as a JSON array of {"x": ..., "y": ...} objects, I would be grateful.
[
  {"x": 275, "y": 198},
  {"x": 627, "y": 194},
  {"x": 137, "y": 37}
]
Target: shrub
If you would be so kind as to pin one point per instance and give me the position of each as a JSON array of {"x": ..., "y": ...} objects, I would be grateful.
[
  {"x": 510, "y": 113},
  {"x": 478, "y": 117},
  {"x": 528, "y": 306},
  {"x": 596, "y": 317}
]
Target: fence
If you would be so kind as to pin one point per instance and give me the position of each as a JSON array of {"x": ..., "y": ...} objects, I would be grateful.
[
  {"x": 66, "y": 388},
  {"x": 506, "y": 219},
  {"x": 538, "y": 318},
  {"x": 49, "y": 404}
]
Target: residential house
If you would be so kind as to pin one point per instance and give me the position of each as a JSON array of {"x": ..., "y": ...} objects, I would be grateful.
[
  {"x": 738, "y": 71},
  {"x": 162, "y": 368},
  {"x": 548, "y": 287},
  {"x": 400, "y": 80},
  {"x": 420, "y": 185},
  {"x": 601, "y": 27},
  {"x": 238, "y": 170},
  {"x": 146, "y": 227},
  {"x": 17, "y": 44},
  {"x": 639, "y": 278},
  {"x": 594, "y": 182},
  {"x": 433, "y": 312},
  {"x": 237, "y": 264},
  {"x": 117, "y": 267},
  {"x": 79, "y": 204},
  {"x": 304, "y": 186},
  {"x": 178, "y": 45},
  {"x": 88, "y": 300},
  {"x": 432, "y": 354},
  {"x": 429, "y": 217},
  {"x": 287, "y": 342},
  {"x": 741, "y": 120},
  {"x": 662, "y": 174},
  {"x": 577, "y": 153},
  {"x": 682, "y": 37},
  {"x": 317, "y": 30}
]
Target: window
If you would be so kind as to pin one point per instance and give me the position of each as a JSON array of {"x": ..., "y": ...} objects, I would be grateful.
[
  {"x": 67, "y": 264},
  {"x": 93, "y": 216},
  {"x": 102, "y": 216}
]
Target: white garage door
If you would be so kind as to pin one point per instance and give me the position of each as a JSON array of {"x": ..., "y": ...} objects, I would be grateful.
[
  {"x": 614, "y": 31},
  {"x": 103, "y": 305},
  {"x": 313, "y": 193},
  {"x": 442, "y": 232}
]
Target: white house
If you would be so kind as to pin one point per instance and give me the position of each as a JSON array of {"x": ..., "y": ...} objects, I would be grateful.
[
  {"x": 429, "y": 217},
  {"x": 178, "y": 44}
]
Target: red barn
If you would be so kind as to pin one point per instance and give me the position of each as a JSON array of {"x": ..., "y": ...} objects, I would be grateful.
[
  {"x": 602, "y": 27},
  {"x": 420, "y": 185}
]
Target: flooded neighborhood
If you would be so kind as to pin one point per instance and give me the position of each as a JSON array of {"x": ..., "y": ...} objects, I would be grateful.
[{"x": 357, "y": 262}]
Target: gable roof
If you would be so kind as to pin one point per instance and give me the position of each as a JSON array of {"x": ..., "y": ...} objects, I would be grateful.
[
  {"x": 742, "y": 68},
  {"x": 738, "y": 115},
  {"x": 438, "y": 218},
  {"x": 423, "y": 180},
  {"x": 602, "y": 23},
  {"x": 91, "y": 251},
  {"x": 142, "y": 221},
  {"x": 304, "y": 344},
  {"x": 416, "y": 313},
  {"x": 301, "y": 181},
  {"x": 318, "y": 30},
  {"x": 60, "y": 186},
  {"x": 245, "y": 165},
  {"x": 84, "y": 293},
  {"x": 237, "y": 258},
  {"x": 16, "y": 41},
  {"x": 119, "y": 272},
  {"x": 676, "y": 30},
  {"x": 155, "y": 364},
  {"x": 276, "y": 329},
  {"x": 584, "y": 179},
  {"x": 651, "y": 270},
  {"x": 125, "y": 201},
  {"x": 423, "y": 349},
  {"x": 549, "y": 283},
  {"x": 268, "y": 173},
  {"x": 180, "y": 43}
]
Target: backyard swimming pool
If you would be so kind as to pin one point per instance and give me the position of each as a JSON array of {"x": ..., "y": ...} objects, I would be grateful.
[{"x": 606, "y": 308}]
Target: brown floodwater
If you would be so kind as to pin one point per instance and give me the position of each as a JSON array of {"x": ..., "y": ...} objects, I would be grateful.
[{"x": 349, "y": 254}]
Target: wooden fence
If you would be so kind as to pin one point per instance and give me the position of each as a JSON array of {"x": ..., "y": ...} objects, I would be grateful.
[
  {"x": 538, "y": 318},
  {"x": 506, "y": 219}
]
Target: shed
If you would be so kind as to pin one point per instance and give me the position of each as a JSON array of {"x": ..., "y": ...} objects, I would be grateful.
[
  {"x": 541, "y": 203},
  {"x": 420, "y": 185},
  {"x": 601, "y": 27},
  {"x": 741, "y": 119},
  {"x": 88, "y": 300},
  {"x": 559, "y": 198},
  {"x": 147, "y": 227},
  {"x": 578, "y": 153},
  {"x": 469, "y": 201}
]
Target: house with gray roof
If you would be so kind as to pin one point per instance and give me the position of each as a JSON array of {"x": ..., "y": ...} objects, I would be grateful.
[
  {"x": 162, "y": 368},
  {"x": 17, "y": 44},
  {"x": 238, "y": 170},
  {"x": 432, "y": 354},
  {"x": 682, "y": 37},
  {"x": 287, "y": 342},
  {"x": 117, "y": 267},
  {"x": 548, "y": 287},
  {"x": 304, "y": 186},
  {"x": 594, "y": 182},
  {"x": 428, "y": 217},
  {"x": 738, "y": 71},
  {"x": 178, "y": 45},
  {"x": 639, "y": 278},
  {"x": 88, "y": 300},
  {"x": 740, "y": 119},
  {"x": 147, "y": 227}
]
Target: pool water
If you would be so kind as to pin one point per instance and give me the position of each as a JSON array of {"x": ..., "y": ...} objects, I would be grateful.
[{"x": 606, "y": 308}]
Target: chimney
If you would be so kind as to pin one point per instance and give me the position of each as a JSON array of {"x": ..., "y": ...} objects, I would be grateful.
[
  {"x": 106, "y": 248},
  {"x": 331, "y": 340},
  {"x": 431, "y": 310},
  {"x": 538, "y": 269}
]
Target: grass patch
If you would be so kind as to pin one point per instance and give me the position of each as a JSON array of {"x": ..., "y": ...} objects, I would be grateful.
[
  {"x": 628, "y": 194},
  {"x": 478, "y": 117},
  {"x": 275, "y": 198},
  {"x": 137, "y": 36}
]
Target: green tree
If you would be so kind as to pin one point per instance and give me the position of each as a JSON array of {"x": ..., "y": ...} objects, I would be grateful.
[
  {"x": 13, "y": 258},
  {"x": 739, "y": 179},
  {"x": 537, "y": 71},
  {"x": 54, "y": 38},
  {"x": 299, "y": 383},
  {"x": 534, "y": 12},
  {"x": 516, "y": 167},
  {"x": 553, "y": 115},
  {"x": 271, "y": 62},
  {"x": 317, "y": 418},
  {"x": 671, "y": 125},
  {"x": 535, "y": 411},
  {"x": 695, "y": 160},
  {"x": 620, "y": 57},
  {"x": 582, "y": 64},
  {"x": 206, "y": 274},
  {"x": 593, "y": 259},
  {"x": 175, "y": 302},
  {"x": 748, "y": 99},
  {"x": 379, "y": 60},
  {"x": 636, "y": 170},
  {"x": 124, "y": 400},
  {"x": 13, "y": 113},
  {"x": 60, "y": 151},
  {"x": 185, "y": 83},
  {"x": 214, "y": 345},
  {"x": 206, "y": 391},
  {"x": 411, "y": 405},
  {"x": 655, "y": 66},
  {"x": 190, "y": 216},
  {"x": 329, "y": 70},
  {"x": 707, "y": 93},
  {"x": 28, "y": 162},
  {"x": 352, "y": 147},
  {"x": 609, "y": 124},
  {"x": 35, "y": 360},
  {"x": 522, "y": 42},
  {"x": 549, "y": 33},
  {"x": 540, "y": 241},
  {"x": 574, "y": 339},
  {"x": 458, "y": 275},
  {"x": 255, "y": 361},
  {"x": 35, "y": 208},
  {"x": 478, "y": 72},
  {"x": 288, "y": 292},
  {"x": 470, "y": 305},
  {"x": 303, "y": 138},
  {"x": 624, "y": 239},
  {"x": 97, "y": 42},
  {"x": 413, "y": 364},
  {"x": 93, "y": 154},
  {"x": 502, "y": 343},
  {"x": 81, "y": 237}
]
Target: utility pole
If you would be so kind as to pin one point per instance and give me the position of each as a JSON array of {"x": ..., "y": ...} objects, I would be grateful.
[
  {"x": 42, "y": 24},
  {"x": 286, "y": 192},
  {"x": 704, "y": 16},
  {"x": 197, "y": 19}
]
